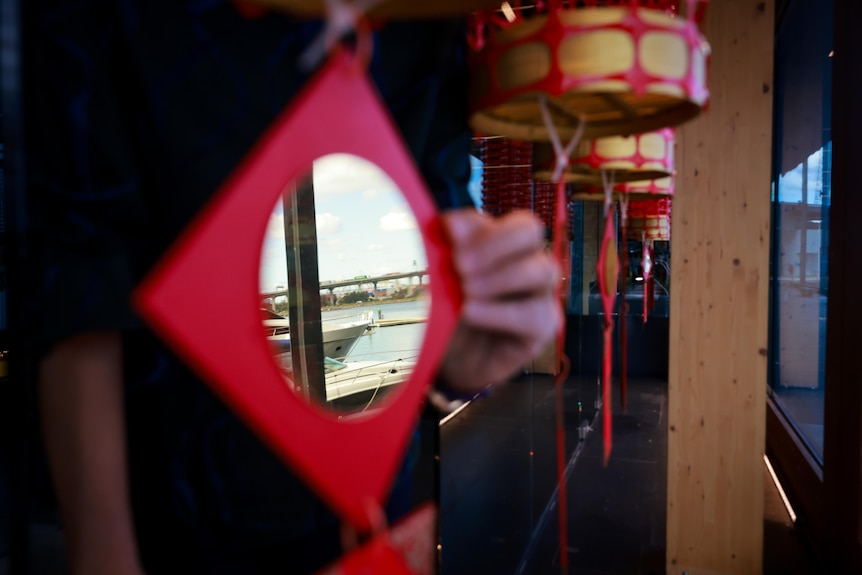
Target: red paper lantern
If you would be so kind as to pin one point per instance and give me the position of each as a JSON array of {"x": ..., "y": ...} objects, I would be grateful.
[
  {"x": 620, "y": 68},
  {"x": 641, "y": 157}
]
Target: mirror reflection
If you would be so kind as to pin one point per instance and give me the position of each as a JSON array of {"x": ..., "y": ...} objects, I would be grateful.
[{"x": 344, "y": 296}]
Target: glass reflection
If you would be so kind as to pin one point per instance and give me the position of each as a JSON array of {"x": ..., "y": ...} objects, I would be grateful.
[
  {"x": 800, "y": 288},
  {"x": 801, "y": 212},
  {"x": 343, "y": 283}
]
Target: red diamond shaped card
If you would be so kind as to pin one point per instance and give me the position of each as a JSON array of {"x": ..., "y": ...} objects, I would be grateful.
[
  {"x": 407, "y": 548},
  {"x": 348, "y": 460}
]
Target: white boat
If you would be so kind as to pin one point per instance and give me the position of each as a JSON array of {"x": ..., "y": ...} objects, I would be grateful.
[
  {"x": 358, "y": 384},
  {"x": 339, "y": 338}
]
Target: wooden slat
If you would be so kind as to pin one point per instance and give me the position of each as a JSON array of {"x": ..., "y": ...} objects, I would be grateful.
[{"x": 719, "y": 304}]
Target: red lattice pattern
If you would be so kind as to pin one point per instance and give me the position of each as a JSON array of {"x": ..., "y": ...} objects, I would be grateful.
[
  {"x": 544, "y": 200},
  {"x": 557, "y": 82},
  {"x": 481, "y": 19},
  {"x": 637, "y": 159},
  {"x": 644, "y": 190},
  {"x": 506, "y": 175},
  {"x": 649, "y": 219},
  {"x": 659, "y": 80},
  {"x": 596, "y": 161}
]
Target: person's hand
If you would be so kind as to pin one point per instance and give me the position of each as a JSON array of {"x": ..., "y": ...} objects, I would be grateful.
[{"x": 510, "y": 311}]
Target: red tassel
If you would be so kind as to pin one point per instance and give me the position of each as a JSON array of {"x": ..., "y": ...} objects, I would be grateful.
[
  {"x": 560, "y": 236},
  {"x": 608, "y": 274},
  {"x": 624, "y": 310},
  {"x": 647, "y": 279},
  {"x": 606, "y": 393}
]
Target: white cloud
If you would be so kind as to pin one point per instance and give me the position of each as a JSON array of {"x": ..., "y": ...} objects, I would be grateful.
[
  {"x": 275, "y": 226},
  {"x": 376, "y": 247},
  {"x": 331, "y": 245},
  {"x": 346, "y": 173},
  {"x": 369, "y": 195},
  {"x": 397, "y": 220},
  {"x": 328, "y": 223}
]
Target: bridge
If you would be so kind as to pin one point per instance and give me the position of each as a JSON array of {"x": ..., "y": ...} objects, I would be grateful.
[{"x": 358, "y": 281}]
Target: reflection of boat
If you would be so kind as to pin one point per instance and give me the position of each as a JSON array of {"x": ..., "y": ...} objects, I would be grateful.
[
  {"x": 359, "y": 383},
  {"x": 339, "y": 338}
]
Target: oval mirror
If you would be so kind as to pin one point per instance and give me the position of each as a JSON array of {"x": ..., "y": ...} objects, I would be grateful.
[{"x": 343, "y": 285}]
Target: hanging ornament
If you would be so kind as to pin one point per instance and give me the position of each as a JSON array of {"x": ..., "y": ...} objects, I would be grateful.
[
  {"x": 630, "y": 161},
  {"x": 650, "y": 221},
  {"x": 559, "y": 244},
  {"x": 351, "y": 460},
  {"x": 639, "y": 190},
  {"x": 607, "y": 271},
  {"x": 620, "y": 68},
  {"x": 408, "y": 548},
  {"x": 630, "y": 158}
]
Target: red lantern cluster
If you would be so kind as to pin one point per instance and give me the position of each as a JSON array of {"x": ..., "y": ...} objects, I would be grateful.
[{"x": 507, "y": 184}]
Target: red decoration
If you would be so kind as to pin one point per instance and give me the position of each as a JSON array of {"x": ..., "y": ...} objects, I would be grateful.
[
  {"x": 408, "y": 548},
  {"x": 624, "y": 306},
  {"x": 608, "y": 272},
  {"x": 649, "y": 281},
  {"x": 376, "y": 556},
  {"x": 349, "y": 461},
  {"x": 636, "y": 158},
  {"x": 515, "y": 61},
  {"x": 649, "y": 220}
]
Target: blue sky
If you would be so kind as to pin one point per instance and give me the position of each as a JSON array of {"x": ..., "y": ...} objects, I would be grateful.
[
  {"x": 364, "y": 225},
  {"x": 790, "y": 183}
]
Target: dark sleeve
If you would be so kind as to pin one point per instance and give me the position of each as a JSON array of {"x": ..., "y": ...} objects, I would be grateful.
[
  {"x": 420, "y": 69},
  {"x": 86, "y": 210}
]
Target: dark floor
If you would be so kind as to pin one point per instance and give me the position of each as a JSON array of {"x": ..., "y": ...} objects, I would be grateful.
[{"x": 498, "y": 498}]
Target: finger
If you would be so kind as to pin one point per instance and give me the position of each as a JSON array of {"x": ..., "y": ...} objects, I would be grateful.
[
  {"x": 534, "y": 321},
  {"x": 537, "y": 275},
  {"x": 482, "y": 244}
]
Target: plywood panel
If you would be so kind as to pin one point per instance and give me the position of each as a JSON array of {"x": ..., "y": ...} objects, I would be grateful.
[{"x": 719, "y": 304}]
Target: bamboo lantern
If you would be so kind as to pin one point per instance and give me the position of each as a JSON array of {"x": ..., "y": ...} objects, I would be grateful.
[
  {"x": 640, "y": 157},
  {"x": 635, "y": 191},
  {"x": 620, "y": 68}
]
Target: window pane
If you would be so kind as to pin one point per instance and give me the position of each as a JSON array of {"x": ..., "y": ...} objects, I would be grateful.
[{"x": 801, "y": 202}]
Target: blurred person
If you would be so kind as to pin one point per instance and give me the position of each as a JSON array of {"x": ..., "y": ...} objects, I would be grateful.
[{"x": 136, "y": 111}]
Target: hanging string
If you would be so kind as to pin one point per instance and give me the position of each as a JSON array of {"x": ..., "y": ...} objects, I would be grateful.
[
  {"x": 624, "y": 306},
  {"x": 342, "y": 18},
  {"x": 560, "y": 235}
]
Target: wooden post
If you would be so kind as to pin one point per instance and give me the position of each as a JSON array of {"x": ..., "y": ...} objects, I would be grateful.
[
  {"x": 306, "y": 336},
  {"x": 719, "y": 304}
]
